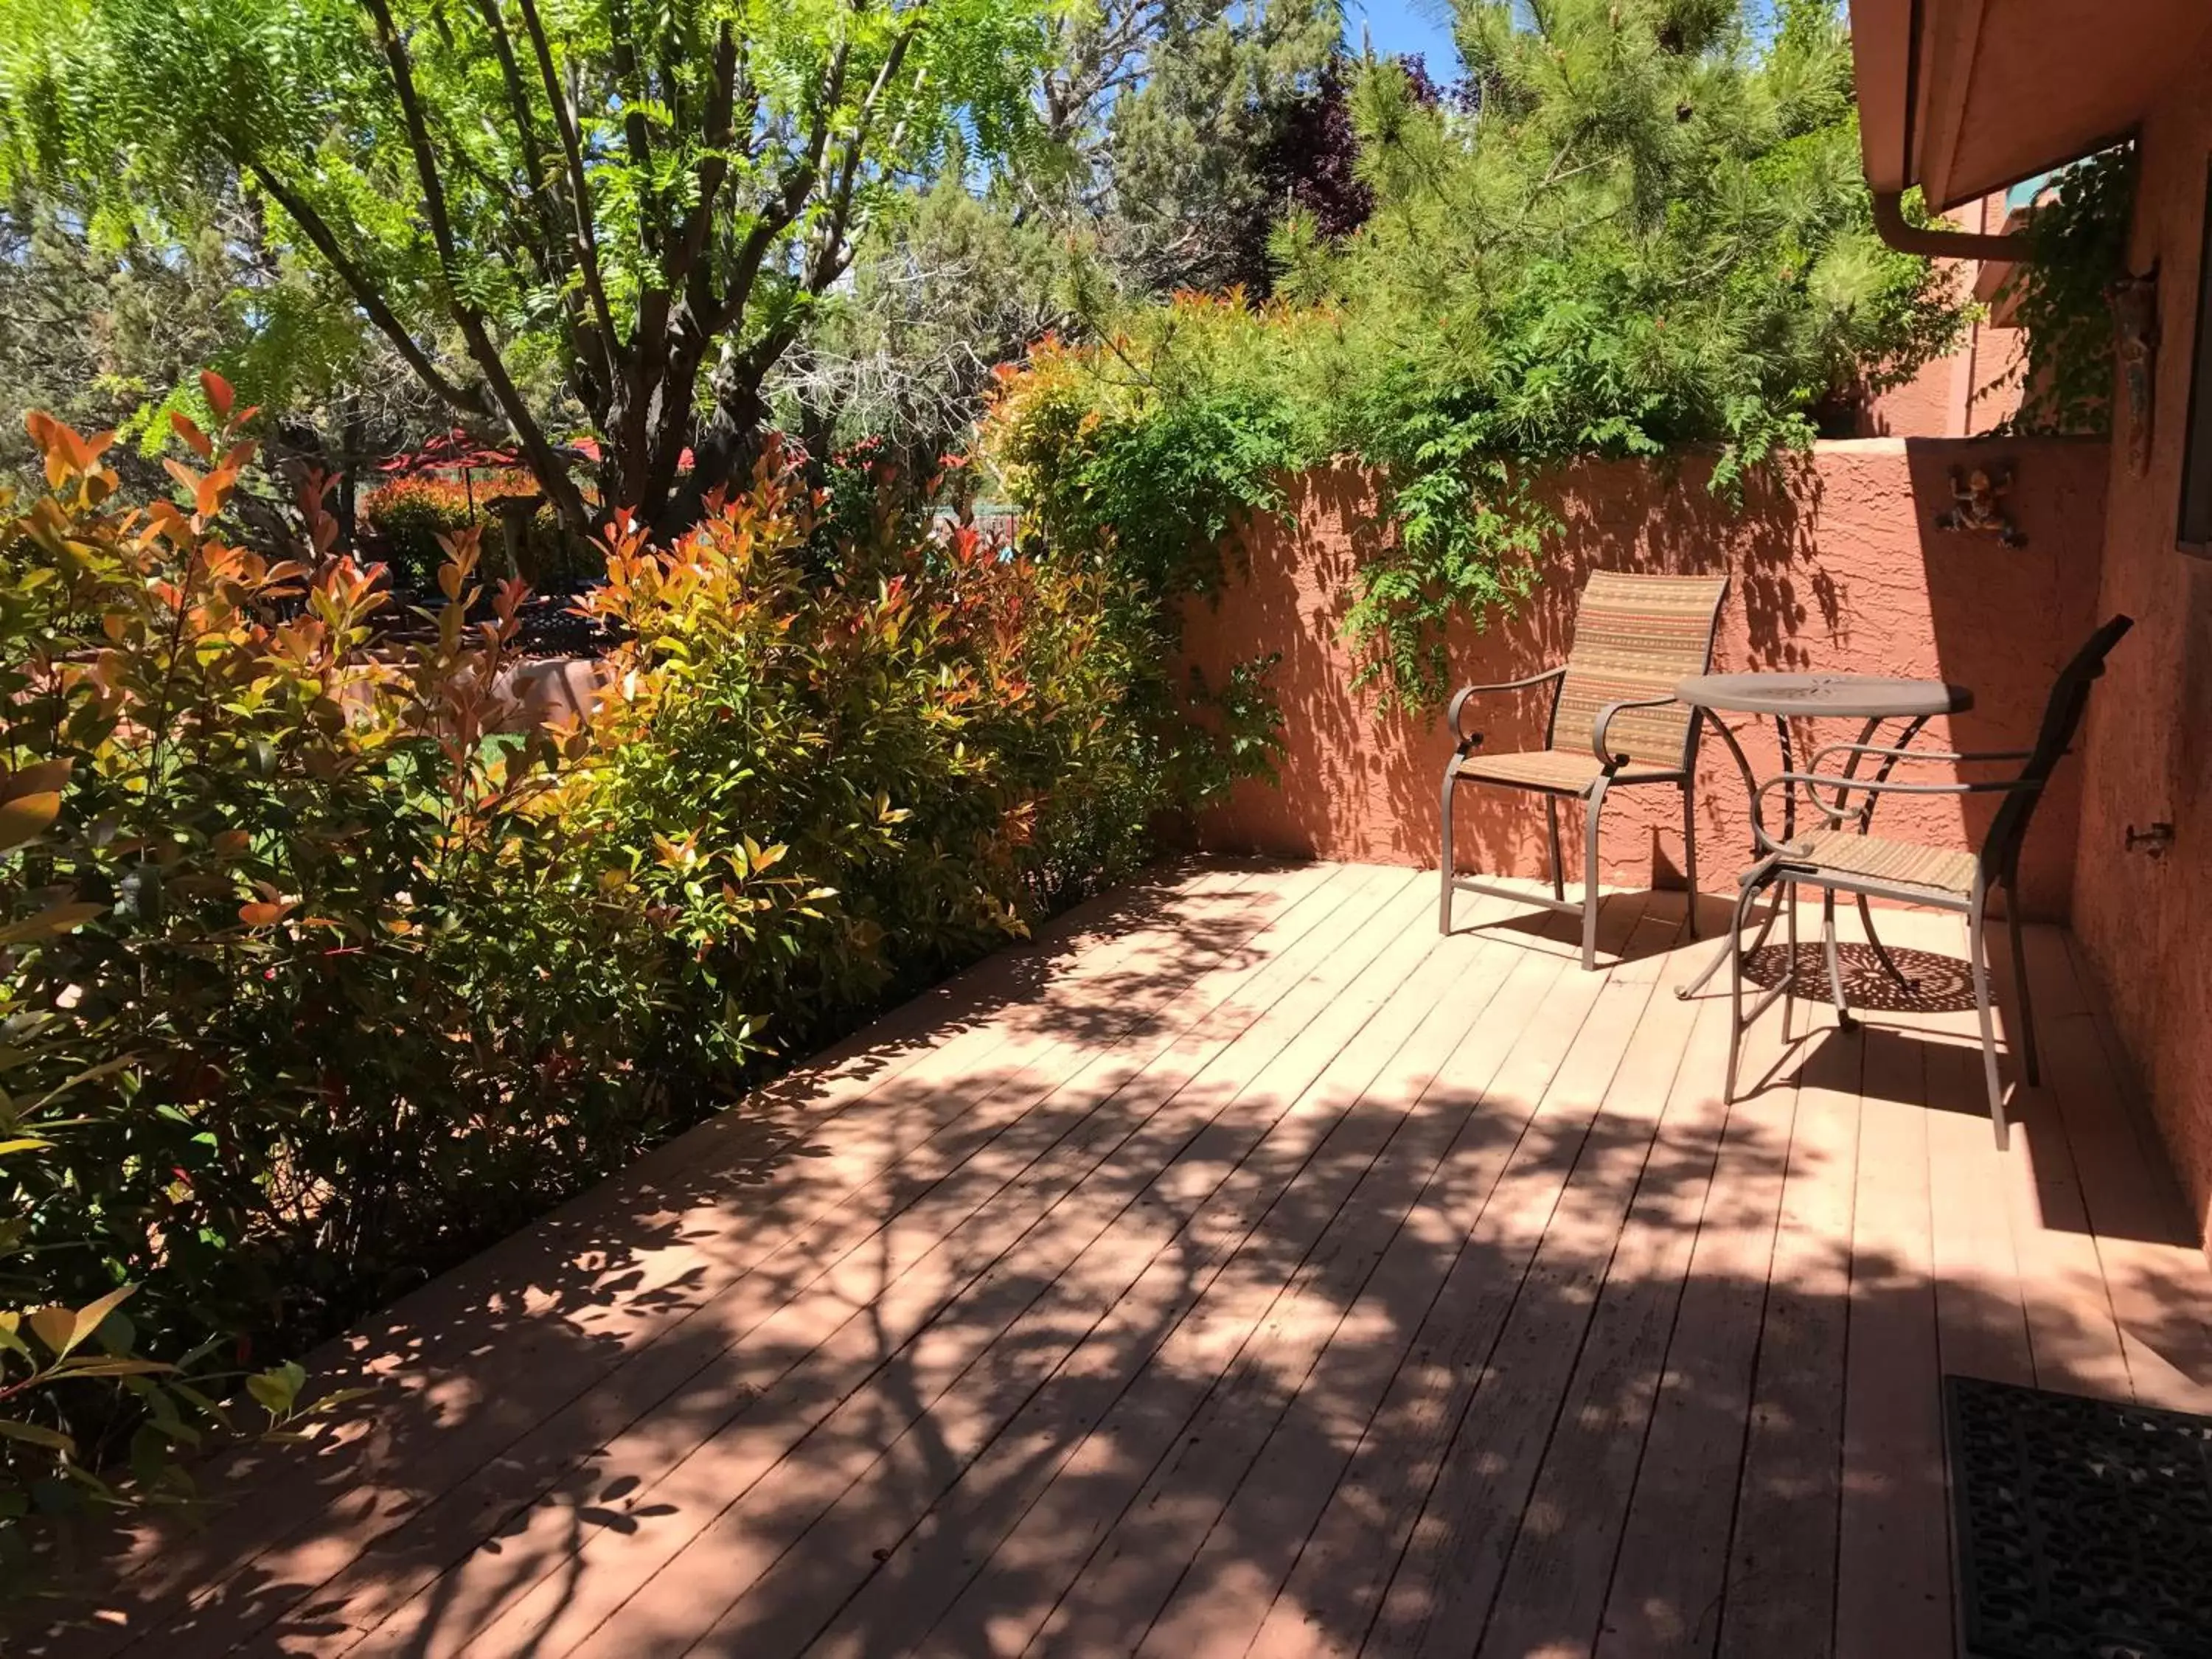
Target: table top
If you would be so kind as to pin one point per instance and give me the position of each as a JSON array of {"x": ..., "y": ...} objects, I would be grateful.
[{"x": 1864, "y": 696}]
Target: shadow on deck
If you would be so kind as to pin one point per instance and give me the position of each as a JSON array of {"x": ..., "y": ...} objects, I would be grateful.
[{"x": 1243, "y": 1269}]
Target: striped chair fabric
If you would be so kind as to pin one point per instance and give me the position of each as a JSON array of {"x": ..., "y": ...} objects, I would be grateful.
[
  {"x": 1939, "y": 869},
  {"x": 1635, "y": 636}
]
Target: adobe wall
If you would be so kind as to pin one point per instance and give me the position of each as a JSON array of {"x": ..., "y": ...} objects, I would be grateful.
[
  {"x": 2142, "y": 918},
  {"x": 1839, "y": 567},
  {"x": 1976, "y": 387}
]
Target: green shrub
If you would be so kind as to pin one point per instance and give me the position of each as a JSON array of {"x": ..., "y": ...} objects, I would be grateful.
[
  {"x": 1644, "y": 228},
  {"x": 408, "y": 519},
  {"x": 314, "y": 983},
  {"x": 2062, "y": 296}
]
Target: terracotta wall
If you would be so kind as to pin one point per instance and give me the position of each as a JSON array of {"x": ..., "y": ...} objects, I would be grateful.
[
  {"x": 1976, "y": 387},
  {"x": 1840, "y": 569},
  {"x": 2147, "y": 921}
]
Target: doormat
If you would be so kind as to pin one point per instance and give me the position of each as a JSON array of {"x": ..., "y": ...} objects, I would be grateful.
[{"x": 2084, "y": 1527}]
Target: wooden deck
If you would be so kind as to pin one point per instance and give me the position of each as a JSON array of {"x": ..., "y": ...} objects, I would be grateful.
[{"x": 1243, "y": 1269}]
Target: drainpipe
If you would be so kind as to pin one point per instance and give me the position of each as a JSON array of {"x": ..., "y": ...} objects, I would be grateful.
[{"x": 1890, "y": 224}]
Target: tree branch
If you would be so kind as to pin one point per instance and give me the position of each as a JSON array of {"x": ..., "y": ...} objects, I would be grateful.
[
  {"x": 466, "y": 400},
  {"x": 579, "y": 189},
  {"x": 714, "y": 164},
  {"x": 783, "y": 206},
  {"x": 636, "y": 136},
  {"x": 831, "y": 256},
  {"x": 559, "y": 488}
]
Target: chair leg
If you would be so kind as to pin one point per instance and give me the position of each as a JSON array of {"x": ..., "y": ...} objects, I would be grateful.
[
  {"x": 1746, "y": 895},
  {"x": 1689, "y": 850},
  {"x": 2024, "y": 1045},
  {"x": 1789, "y": 891},
  {"x": 1559, "y": 879},
  {"x": 1977, "y": 953},
  {"x": 1843, "y": 1020},
  {"x": 1444, "y": 859},
  {"x": 1589, "y": 876}
]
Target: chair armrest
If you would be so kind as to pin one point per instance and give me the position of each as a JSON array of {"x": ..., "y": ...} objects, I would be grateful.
[
  {"x": 1604, "y": 719},
  {"x": 1816, "y": 781},
  {"x": 1953, "y": 756},
  {"x": 1459, "y": 699}
]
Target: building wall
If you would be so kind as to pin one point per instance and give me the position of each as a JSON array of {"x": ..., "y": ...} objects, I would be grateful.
[
  {"x": 1976, "y": 387},
  {"x": 1840, "y": 569},
  {"x": 2142, "y": 919}
]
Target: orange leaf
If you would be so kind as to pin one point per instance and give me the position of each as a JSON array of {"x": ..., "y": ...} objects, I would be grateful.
[
  {"x": 24, "y": 818},
  {"x": 183, "y": 425},
  {"x": 36, "y": 780},
  {"x": 261, "y": 914},
  {"x": 211, "y": 492},
  {"x": 219, "y": 394}
]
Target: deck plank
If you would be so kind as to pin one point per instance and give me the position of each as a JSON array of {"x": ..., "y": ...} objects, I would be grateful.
[
  {"x": 1241, "y": 1268},
  {"x": 845, "y": 1548},
  {"x": 1668, "y": 1579},
  {"x": 1036, "y": 1106},
  {"x": 793, "y": 1371},
  {"x": 1007, "y": 1602},
  {"x": 929, "y": 1572},
  {"x": 910, "y": 1330},
  {"x": 1323, "y": 1141},
  {"x": 2147, "y": 1251},
  {"x": 1781, "y": 1587},
  {"x": 1379, "y": 1074},
  {"x": 1114, "y": 1602},
  {"x": 1553, "y": 1595},
  {"x": 451, "y": 1418},
  {"x": 553, "y": 1275},
  {"x": 1981, "y": 1313},
  {"x": 2073, "y": 1335},
  {"x": 1551, "y": 1089},
  {"x": 1892, "y": 1548},
  {"x": 1449, "y": 1572}
]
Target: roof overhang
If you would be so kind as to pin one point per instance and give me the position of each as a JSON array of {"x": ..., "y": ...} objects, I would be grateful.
[{"x": 1964, "y": 97}]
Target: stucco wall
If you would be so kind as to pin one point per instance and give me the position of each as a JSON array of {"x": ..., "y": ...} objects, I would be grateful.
[
  {"x": 2143, "y": 919},
  {"x": 1974, "y": 389},
  {"x": 1841, "y": 568}
]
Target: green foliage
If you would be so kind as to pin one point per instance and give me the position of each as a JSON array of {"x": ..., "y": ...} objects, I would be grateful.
[
  {"x": 2077, "y": 240},
  {"x": 106, "y": 330},
  {"x": 408, "y": 519},
  {"x": 1650, "y": 232},
  {"x": 552, "y": 210},
  {"x": 1148, "y": 172},
  {"x": 1181, "y": 177},
  {"x": 316, "y": 978}
]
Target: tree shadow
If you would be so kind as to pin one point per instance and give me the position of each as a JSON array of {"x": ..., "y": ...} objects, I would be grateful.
[
  {"x": 1835, "y": 564},
  {"x": 1455, "y": 1312},
  {"x": 456, "y": 1372},
  {"x": 1357, "y": 783}
]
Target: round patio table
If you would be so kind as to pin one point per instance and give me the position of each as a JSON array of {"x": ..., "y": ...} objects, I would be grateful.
[{"x": 1872, "y": 699}]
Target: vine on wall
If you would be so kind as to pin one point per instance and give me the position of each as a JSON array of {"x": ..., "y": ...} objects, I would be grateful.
[{"x": 1639, "y": 225}]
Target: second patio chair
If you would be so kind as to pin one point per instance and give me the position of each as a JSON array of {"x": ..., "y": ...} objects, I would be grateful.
[
  {"x": 1614, "y": 722},
  {"x": 1838, "y": 856}
]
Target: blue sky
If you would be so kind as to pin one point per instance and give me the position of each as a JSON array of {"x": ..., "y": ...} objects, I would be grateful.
[{"x": 1398, "y": 26}]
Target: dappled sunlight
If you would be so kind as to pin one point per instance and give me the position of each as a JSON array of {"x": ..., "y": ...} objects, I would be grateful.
[{"x": 1250, "y": 1271}]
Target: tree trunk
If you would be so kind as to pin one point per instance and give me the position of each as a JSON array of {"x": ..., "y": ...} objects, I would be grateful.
[{"x": 349, "y": 458}]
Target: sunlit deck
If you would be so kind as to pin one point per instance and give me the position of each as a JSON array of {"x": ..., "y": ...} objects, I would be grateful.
[{"x": 1245, "y": 1269}]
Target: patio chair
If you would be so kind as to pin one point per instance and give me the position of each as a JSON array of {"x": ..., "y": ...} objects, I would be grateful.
[
  {"x": 1838, "y": 855},
  {"x": 1614, "y": 723}
]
